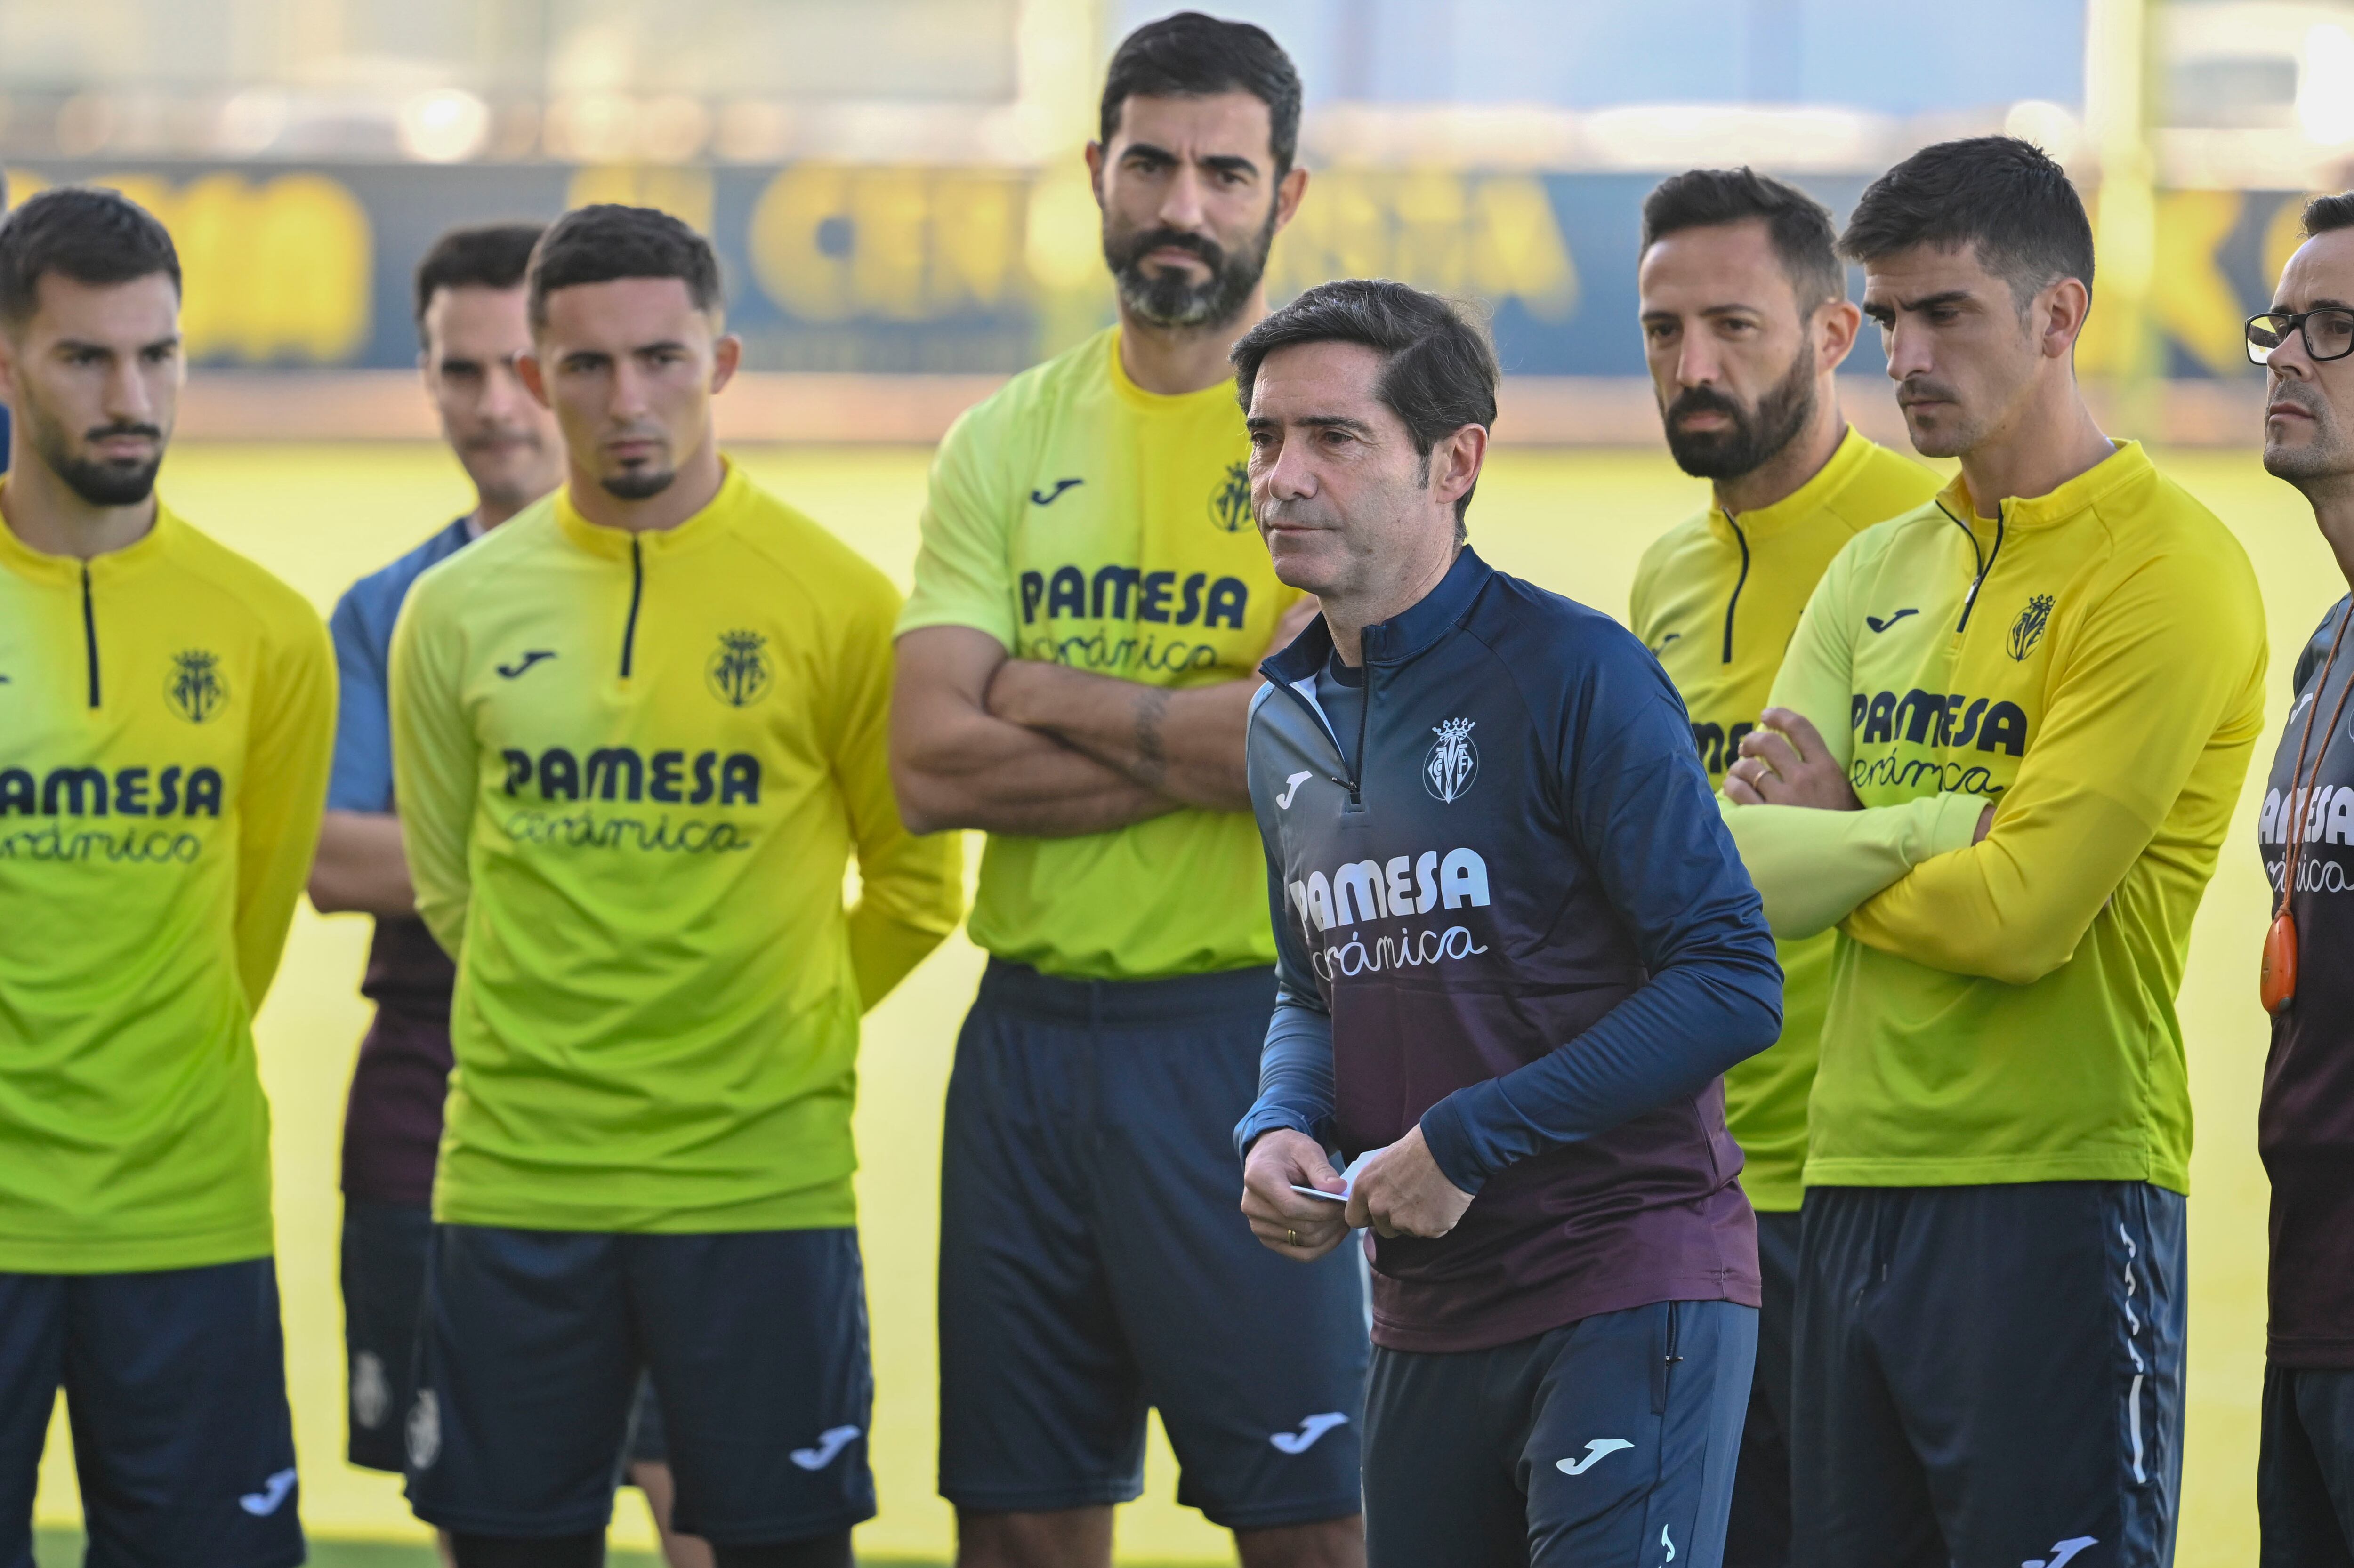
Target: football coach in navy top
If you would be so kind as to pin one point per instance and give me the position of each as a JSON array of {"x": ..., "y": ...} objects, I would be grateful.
[{"x": 1517, "y": 950}]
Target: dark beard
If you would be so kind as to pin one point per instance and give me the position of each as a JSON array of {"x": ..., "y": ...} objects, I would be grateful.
[
  {"x": 639, "y": 485},
  {"x": 101, "y": 482},
  {"x": 1169, "y": 300},
  {"x": 1755, "y": 437}
]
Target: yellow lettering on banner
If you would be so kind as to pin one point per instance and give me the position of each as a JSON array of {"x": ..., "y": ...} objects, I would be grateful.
[
  {"x": 21, "y": 186},
  {"x": 831, "y": 244},
  {"x": 1492, "y": 234},
  {"x": 278, "y": 271},
  {"x": 2190, "y": 299},
  {"x": 2283, "y": 235}
]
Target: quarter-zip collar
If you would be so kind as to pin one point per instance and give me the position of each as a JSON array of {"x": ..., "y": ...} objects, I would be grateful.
[
  {"x": 652, "y": 543},
  {"x": 1396, "y": 640},
  {"x": 1761, "y": 522},
  {"x": 2127, "y": 465}
]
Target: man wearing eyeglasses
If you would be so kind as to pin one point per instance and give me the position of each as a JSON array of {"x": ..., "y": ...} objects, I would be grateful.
[{"x": 2304, "y": 1475}]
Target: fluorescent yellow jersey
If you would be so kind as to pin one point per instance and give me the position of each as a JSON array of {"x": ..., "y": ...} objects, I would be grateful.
[
  {"x": 1716, "y": 599},
  {"x": 631, "y": 770},
  {"x": 2091, "y": 661},
  {"x": 166, "y": 714},
  {"x": 1077, "y": 518}
]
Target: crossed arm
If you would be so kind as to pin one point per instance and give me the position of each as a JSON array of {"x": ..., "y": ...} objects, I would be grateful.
[{"x": 983, "y": 740}]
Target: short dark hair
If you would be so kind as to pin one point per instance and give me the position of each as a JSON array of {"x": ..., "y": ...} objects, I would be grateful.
[
  {"x": 1798, "y": 225},
  {"x": 1438, "y": 373},
  {"x": 96, "y": 237},
  {"x": 2325, "y": 212},
  {"x": 2003, "y": 195},
  {"x": 606, "y": 243},
  {"x": 1190, "y": 54},
  {"x": 480, "y": 256}
]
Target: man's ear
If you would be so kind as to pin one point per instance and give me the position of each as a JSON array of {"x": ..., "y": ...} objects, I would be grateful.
[
  {"x": 1287, "y": 192},
  {"x": 726, "y": 354},
  {"x": 1836, "y": 326},
  {"x": 533, "y": 377},
  {"x": 1455, "y": 463},
  {"x": 1096, "y": 170},
  {"x": 2060, "y": 312}
]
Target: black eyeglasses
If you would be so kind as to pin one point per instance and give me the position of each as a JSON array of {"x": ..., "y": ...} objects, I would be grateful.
[{"x": 2329, "y": 333}]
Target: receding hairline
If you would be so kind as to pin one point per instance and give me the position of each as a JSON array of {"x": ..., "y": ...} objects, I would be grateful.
[{"x": 1762, "y": 223}]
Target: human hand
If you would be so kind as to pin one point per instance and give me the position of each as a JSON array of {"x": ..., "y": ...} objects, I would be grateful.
[
  {"x": 1400, "y": 1190},
  {"x": 1303, "y": 1229},
  {"x": 1784, "y": 762}
]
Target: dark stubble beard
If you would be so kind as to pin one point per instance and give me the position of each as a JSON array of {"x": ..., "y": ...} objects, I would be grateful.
[
  {"x": 99, "y": 482},
  {"x": 1169, "y": 300},
  {"x": 1755, "y": 436},
  {"x": 2327, "y": 456},
  {"x": 639, "y": 485}
]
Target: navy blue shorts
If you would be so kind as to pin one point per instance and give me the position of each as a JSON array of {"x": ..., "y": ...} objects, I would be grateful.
[
  {"x": 175, "y": 1383},
  {"x": 2305, "y": 1473},
  {"x": 384, "y": 1251},
  {"x": 535, "y": 1345},
  {"x": 1759, "y": 1535},
  {"x": 1989, "y": 1374},
  {"x": 1610, "y": 1440},
  {"x": 1095, "y": 1262}
]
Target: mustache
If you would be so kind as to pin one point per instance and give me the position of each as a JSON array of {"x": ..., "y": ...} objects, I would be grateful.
[
  {"x": 1208, "y": 251},
  {"x": 2303, "y": 393},
  {"x": 486, "y": 439},
  {"x": 123, "y": 427},
  {"x": 1921, "y": 389},
  {"x": 1703, "y": 401}
]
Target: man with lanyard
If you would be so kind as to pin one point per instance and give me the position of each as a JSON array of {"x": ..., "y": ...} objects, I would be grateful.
[
  {"x": 166, "y": 712},
  {"x": 2002, "y": 757},
  {"x": 1745, "y": 321},
  {"x": 471, "y": 327},
  {"x": 1517, "y": 953},
  {"x": 1074, "y": 667},
  {"x": 637, "y": 734},
  {"x": 2304, "y": 1478}
]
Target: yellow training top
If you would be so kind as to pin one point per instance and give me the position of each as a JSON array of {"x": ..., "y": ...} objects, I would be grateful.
[
  {"x": 1080, "y": 519},
  {"x": 166, "y": 714},
  {"x": 631, "y": 769},
  {"x": 2091, "y": 661},
  {"x": 1716, "y": 599}
]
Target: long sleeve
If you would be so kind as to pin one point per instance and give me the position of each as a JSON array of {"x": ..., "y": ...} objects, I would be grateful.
[
  {"x": 911, "y": 886},
  {"x": 435, "y": 763},
  {"x": 1294, "y": 1066},
  {"x": 283, "y": 796},
  {"x": 1641, "y": 811},
  {"x": 2165, "y": 670},
  {"x": 1813, "y": 867}
]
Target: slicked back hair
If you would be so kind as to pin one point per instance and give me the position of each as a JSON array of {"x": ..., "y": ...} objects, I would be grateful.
[
  {"x": 1798, "y": 226},
  {"x": 2325, "y": 212},
  {"x": 1190, "y": 54},
  {"x": 1438, "y": 373},
  {"x": 481, "y": 256},
  {"x": 2004, "y": 197},
  {"x": 604, "y": 243},
  {"x": 95, "y": 237}
]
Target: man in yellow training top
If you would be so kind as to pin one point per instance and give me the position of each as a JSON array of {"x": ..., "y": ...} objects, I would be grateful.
[
  {"x": 2049, "y": 680},
  {"x": 166, "y": 712},
  {"x": 1075, "y": 666},
  {"x": 1745, "y": 321},
  {"x": 637, "y": 734}
]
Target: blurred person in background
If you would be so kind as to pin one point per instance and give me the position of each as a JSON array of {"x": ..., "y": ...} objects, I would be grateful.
[
  {"x": 2304, "y": 1476},
  {"x": 167, "y": 713},
  {"x": 2002, "y": 756},
  {"x": 472, "y": 326},
  {"x": 639, "y": 733},
  {"x": 1745, "y": 322},
  {"x": 1075, "y": 666},
  {"x": 4, "y": 406}
]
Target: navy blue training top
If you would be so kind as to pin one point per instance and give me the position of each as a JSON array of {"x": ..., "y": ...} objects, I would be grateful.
[
  {"x": 392, "y": 1122},
  {"x": 1523, "y": 925}
]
